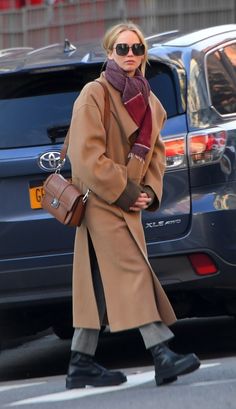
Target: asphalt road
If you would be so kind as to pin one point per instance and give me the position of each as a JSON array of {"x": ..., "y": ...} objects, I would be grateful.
[{"x": 32, "y": 373}]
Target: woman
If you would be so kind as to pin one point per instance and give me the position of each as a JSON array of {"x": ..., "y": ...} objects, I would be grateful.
[{"x": 123, "y": 168}]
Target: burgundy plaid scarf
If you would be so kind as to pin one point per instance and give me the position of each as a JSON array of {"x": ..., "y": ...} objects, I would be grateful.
[{"x": 134, "y": 94}]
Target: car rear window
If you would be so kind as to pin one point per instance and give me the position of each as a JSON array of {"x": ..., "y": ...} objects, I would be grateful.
[{"x": 36, "y": 107}]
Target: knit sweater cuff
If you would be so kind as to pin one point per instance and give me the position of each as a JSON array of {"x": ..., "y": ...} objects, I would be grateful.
[{"x": 129, "y": 196}]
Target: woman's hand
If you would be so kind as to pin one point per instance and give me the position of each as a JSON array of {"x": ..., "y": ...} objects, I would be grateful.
[{"x": 141, "y": 203}]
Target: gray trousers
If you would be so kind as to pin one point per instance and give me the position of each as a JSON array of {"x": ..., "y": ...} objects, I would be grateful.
[{"x": 85, "y": 340}]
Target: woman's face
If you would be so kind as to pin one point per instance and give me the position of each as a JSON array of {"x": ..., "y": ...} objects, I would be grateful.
[{"x": 130, "y": 62}]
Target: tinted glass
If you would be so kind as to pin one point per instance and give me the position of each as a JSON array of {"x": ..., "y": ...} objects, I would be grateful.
[
  {"x": 221, "y": 68},
  {"x": 35, "y": 109},
  {"x": 162, "y": 84}
]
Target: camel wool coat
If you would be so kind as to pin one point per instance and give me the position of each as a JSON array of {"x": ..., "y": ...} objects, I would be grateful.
[{"x": 99, "y": 161}]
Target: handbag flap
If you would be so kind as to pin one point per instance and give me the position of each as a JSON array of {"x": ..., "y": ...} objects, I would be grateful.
[{"x": 60, "y": 188}]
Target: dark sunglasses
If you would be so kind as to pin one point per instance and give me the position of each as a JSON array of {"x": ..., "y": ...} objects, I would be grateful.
[{"x": 123, "y": 49}]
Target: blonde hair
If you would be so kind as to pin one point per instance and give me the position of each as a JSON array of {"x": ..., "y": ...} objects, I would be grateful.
[{"x": 113, "y": 33}]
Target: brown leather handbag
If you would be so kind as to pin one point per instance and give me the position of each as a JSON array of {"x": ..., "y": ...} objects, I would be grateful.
[
  {"x": 64, "y": 200},
  {"x": 61, "y": 198}
]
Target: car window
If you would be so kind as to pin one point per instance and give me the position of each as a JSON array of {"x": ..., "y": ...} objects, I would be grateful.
[
  {"x": 230, "y": 52},
  {"x": 221, "y": 69},
  {"x": 36, "y": 108},
  {"x": 162, "y": 85}
]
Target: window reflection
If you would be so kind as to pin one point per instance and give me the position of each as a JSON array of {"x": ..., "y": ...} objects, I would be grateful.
[
  {"x": 221, "y": 66},
  {"x": 230, "y": 52}
]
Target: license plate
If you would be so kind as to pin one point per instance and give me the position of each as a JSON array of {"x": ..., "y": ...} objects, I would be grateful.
[{"x": 36, "y": 193}]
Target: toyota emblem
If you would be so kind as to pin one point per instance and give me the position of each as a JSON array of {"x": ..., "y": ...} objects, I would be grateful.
[{"x": 49, "y": 160}]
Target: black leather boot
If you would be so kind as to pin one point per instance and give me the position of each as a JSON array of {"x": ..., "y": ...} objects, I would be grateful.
[
  {"x": 169, "y": 365},
  {"x": 84, "y": 371}
]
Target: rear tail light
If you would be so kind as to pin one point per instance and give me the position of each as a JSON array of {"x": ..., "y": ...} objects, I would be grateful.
[
  {"x": 175, "y": 151},
  {"x": 206, "y": 147},
  {"x": 203, "y": 264}
]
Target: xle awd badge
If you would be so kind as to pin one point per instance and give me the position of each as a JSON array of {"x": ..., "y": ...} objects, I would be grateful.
[{"x": 161, "y": 223}]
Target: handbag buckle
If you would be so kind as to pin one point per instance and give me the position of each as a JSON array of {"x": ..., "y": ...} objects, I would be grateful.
[{"x": 55, "y": 203}]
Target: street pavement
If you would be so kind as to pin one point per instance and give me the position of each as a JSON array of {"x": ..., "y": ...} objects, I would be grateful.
[
  {"x": 213, "y": 386},
  {"x": 32, "y": 374}
]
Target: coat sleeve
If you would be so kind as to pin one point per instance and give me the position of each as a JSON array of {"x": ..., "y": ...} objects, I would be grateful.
[
  {"x": 154, "y": 176},
  {"x": 87, "y": 149}
]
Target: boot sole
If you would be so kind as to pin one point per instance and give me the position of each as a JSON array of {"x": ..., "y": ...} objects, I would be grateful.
[
  {"x": 82, "y": 382},
  {"x": 169, "y": 380},
  {"x": 181, "y": 367}
]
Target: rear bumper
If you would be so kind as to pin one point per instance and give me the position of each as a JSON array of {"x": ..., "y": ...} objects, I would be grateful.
[
  {"x": 35, "y": 293},
  {"x": 46, "y": 279},
  {"x": 176, "y": 273},
  {"x": 35, "y": 280},
  {"x": 212, "y": 233}
]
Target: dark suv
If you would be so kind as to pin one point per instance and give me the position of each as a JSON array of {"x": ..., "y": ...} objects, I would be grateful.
[{"x": 191, "y": 240}]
